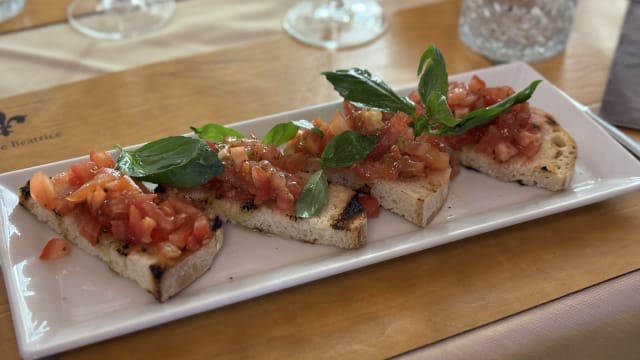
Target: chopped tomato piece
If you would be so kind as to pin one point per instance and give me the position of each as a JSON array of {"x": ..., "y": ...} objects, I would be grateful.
[
  {"x": 262, "y": 185},
  {"x": 88, "y": 225},
  {"x": 370, "y": 204},
  {"x": 55, "y": 248},
  {"x": 388, "y": 136},
  {"x": 180, "y": 237},
  {"x": 504, "y": 137},
  {"x": 102, "y": 159},
  {"x": 201, "y": 228},
  {"x": 42, "y": 190},
  {"x": 338, "y": 124},
  {"x": 82, "y": 172}
]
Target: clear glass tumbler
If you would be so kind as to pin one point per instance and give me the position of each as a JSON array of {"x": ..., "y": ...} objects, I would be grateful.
[
  {"x": 10, "y": 8},
  {"x": 516, "y": 30}
]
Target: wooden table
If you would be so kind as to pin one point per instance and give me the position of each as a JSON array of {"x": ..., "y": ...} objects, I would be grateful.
[
  {"x": 373, "y": 312},
  {"x": 37, "y": 13}
]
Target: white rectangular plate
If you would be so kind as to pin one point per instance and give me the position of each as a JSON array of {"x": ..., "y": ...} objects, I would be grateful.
[{"x": 77, "y": 300}]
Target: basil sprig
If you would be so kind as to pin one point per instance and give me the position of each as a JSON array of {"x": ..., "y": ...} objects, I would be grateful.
[
  {"x": 343, "y": 150},
  {"x": 363, "y": 89},
  {"x": 314, "y": 196},
  {"x": 483, "y": 115},
  {"x": 175, "y": 161},
  {"x": 283, "y": 132},
  {"x": 216, "y": 132},
  {"x": 347, "y": 148}
]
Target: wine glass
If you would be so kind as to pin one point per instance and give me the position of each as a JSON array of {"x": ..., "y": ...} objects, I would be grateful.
[
  {"x": 335, "y": 24},
  {"x": 119, "y": 19}
]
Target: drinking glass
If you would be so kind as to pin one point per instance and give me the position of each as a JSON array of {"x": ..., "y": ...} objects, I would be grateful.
[
  {"x": 118, "y": 19},
  {"x": 10, "y": 8},
  {"x": 335, "y": 24},
  {"x": 516, "y": 30}
]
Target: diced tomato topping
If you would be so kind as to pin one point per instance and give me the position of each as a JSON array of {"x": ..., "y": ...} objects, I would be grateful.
[
  {"x": 180, "y": 237},
  {"x": 202, "y": 228},
  {"x": 261, "y": 184},
  {"x": 267, "y": 176},
  {"x": 42, "y": 190},
  {"x": 505, "y": 137},
  {"x": 82, "y": 172},
  {"x": 239, "y": 156},
  {"x": 370, "y": 204},
  {"x": 388, "y": 136},
  {"x": 55, "y": 248},
  {"x": 101, "y": 199},
  {"x": 102, "y": 159},
  {"x": 88, "y": 225},
  {"x": 338, "y": 124}
]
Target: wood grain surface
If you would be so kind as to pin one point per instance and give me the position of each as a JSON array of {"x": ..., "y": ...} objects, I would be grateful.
[
  {"x": 373, "y": 312},
  {"x": 37, "y": 13}
]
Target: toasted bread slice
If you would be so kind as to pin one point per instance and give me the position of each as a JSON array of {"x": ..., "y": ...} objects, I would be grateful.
[
  {"x": 551, "y": 168},
  {"x": 342, "y": 223},
  {"x": 160, "y": 273},
  {"x": 416, "y": 199}
]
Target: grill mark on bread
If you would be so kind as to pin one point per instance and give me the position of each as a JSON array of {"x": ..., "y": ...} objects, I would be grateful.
[
  {"x": 157, "y": 271},
  {"x": 248, "y": 205},
  {"x": 216, "y": 223},
  {"x": 25, "y": 191},
  {"x": 124, "y": 249},
  {"x": 350, "y": 212},
  {"x": 148, "y": 266},
  {"x": 550, "y": 120}
]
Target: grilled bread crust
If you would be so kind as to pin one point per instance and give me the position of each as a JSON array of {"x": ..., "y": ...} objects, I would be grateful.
[
  {"x": 551, "y": 168},
  {"x": 416, "y": 199},
  {"x": 342, "y": 222},
  {"x": 147, "y": 265}
]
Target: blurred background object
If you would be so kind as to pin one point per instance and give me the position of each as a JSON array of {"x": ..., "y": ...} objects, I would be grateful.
[
  {"x": 10, "y": 8},
  {"x": 516, "y": 30},
  {"x": 620, "y": 105},
  {"x": 335, "y": 24},
  {"x": 119, "y": 19}
]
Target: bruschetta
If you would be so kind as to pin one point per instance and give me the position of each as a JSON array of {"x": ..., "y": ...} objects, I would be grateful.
[
  {"x": 260, "y": 188},
  {"x": 406, "y": 174},
  {"x": 162, "y": 244},
  {"x": 524, "y": 144}
]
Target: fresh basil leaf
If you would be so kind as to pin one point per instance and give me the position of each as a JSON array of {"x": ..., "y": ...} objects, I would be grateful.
[
  {"x": 283, "y": 132},
  {"x": 280, "y": 134},
  {"x": 216, "y": 132},
  {"x": 440, "y": 110},
  {"x": 347, "y": 148},
  {"x": 485, "y": 115},
  {"x": 422, "y": 124},
  {"x": 314, "y": 196},
  {"x": 175, "y": 161},
  {"x": 365, "y": 90},
  {"x": 437, "y": 117},
  {"x": 432, "y": 73}
]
